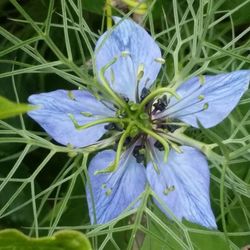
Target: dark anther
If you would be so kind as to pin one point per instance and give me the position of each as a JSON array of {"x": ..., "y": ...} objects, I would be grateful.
[
  {"x": 127, "y": 141},
  {"x": 161, "y": 104},
  {"x": 140, "y": 158},
  {"x": 171, "y": 128},
  {"x": 110, "y": 126},
  {"x": 116, "y": 145},
  {"x": 159, "y": 146},
  {"x": 138, "y": 154},
  {"x": 144, "y": 93},
  {"x": 113, "y": 126},
  {"x": 126, "y": 99}
]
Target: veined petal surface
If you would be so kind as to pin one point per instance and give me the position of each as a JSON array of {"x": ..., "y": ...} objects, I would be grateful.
[
  {"x": 134, "y": 48},
  {"x": 53, "y": 116},
  {"x": 113, "y": 192},
  {"x": 209, "y": 99},
  {"x": 183, "y": 185}
]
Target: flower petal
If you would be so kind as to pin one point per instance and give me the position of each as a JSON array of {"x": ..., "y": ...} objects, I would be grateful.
[
  {"x": 183, "y": 185},
  {"x": 113, "y": 192},
  {"x": 53, "y": 116},
  {"x": 132, "y": 46},
  {"x": 210, "y": 100}
]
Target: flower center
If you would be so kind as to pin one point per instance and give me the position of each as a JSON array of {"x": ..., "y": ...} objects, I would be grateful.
[{"x": 134, "y": 123}]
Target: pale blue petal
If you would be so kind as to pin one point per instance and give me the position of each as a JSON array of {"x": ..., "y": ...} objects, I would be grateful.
[
  {"x": 113, "y": 192},
  {"x": 186, "y": 177},
  {"x": 128, "y": 37},
  {"x": 53, "y": 116},
  {"x": 220, "y": 93}
]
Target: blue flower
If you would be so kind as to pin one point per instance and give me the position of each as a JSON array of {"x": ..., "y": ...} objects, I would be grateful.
[{"x": 145, "y": 119}]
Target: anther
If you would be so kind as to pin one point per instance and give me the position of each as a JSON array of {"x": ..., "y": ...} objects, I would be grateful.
[
  {"x": 125, "y": 53},
  {"x": 168, "y": 189},
  {"x": 71, "y": 95},
  {"x": 126, "y": 99},
  {"x": 86, "y": 114},
  {"x": 170, "y": 127},
  {"x": 113, "y": 126},
  {"x": 139, "y": 153},
  {"x": 127, "y": 141},
  {"x": 144, "y": 93},
  {"x": 159, "y": 146},
  {"x": 202, "y": 79},
  {"x": 110, "y": 126},
  {"x": 161, "y": 104},
  {"x": 125, "y": 144},
  {"x": 108, "y": 192},
  {"x": 160, "y": 60},
  {"x": 201, "y": 97},
  {"x": 205, "y": 106},
  {"x": 140, "y": 72}
]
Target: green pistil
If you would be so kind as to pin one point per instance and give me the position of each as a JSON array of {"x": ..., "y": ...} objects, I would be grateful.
[
  {"x": 154, "y": 94},
  {"x": 158, "y": 138},
  {"x": 115, "y": 163},
  {"x": 106, "y": 85},
  {"x": 99, "y": 121}
]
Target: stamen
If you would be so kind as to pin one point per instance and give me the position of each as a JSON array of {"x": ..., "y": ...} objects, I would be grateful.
[
  {"x": 125, "y": 53},
  {"x": 182, "y": 99},
  {"x": 87, "y": 114},
  {"x": 161, "y": 104},
  {"x": 108, "y": 192},
  {"x": 159, "y": 146},
  {"x": 170, "y": 127},
  {"x": 201, "y": 97},
  {"x": 151, "y": 154},
  {"x": 205, "y": 106},
  {"x": 202, "y": 79},
  {"x": 144, "y": 93},
  {"x": 168, "y": 189},
  {"x": 177, "y": 110},
  {"x": 175, "y": 147},
  {"x": 156, "y": 93},
  {"x": 160, "y": 60},
  {"x": 139, "y": 153},
  {"x": 110, "y": 126},
  {"x": 140, "y": 72},
  {"x": 112, "y": 76},
  {"x": 71, "y": 95}
]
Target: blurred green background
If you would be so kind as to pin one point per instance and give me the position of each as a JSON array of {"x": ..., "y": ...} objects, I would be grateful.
[{"x": 32, "y": 63}]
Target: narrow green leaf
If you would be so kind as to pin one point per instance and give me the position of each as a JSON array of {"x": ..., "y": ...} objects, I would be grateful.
[
  {"x": 10, "y": 109},
  {"x": 13, "y": 239}
]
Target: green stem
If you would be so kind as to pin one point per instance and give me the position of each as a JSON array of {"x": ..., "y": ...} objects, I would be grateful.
[
  {"x": 184, "y": 139},
  {"x": 109, "y": 14}
]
